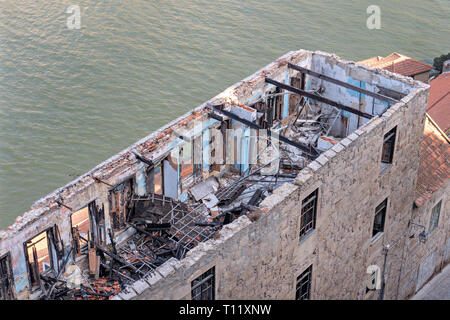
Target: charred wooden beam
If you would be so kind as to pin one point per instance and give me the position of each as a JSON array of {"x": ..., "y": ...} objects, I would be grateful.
[
  {"x": 157, "y": 226},
  {"x": 309, "y": 150},
  {"x": 391, "y": 93},
  {"x": 343, "y": 84},
  {"x": 318, "y": 98},
  {"x": 207, "y": 224},
  {"x": 60, "y": 272},
  {"x": 256, "y": 197},
  {"x": 101, "y": 181},
  {"x": 249, "y": 207},
  {"x": 63, "y": 205},
  {"x": 227, "y": 199},
  {"x": 144, "y": 160},
  {"x": 215, "y": 116},
  {"x": 118, "y": 259},
  {"x": 113, "y": 245},
  {"x": 141, "y": 230}
]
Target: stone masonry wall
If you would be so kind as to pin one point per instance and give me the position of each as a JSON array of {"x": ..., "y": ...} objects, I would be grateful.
[
  {"x": 260, "y": 256},
  {"x": 262, "y": 259},
  {"x": 437, "y": 244}
]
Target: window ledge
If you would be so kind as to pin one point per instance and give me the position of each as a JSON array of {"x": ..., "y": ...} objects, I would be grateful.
[
  {"x": 376, "y": 237},
  {"x": 306, "y": 236},
  {"x": 384, "y": 167}
]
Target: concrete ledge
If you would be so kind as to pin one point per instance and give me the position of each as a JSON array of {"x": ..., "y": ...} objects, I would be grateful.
[
  {"x": 165, "y": 270},
  {"x": 154, "y": 278},
  {"x": 303, "y": 176},
  {"x": 315, "y": 165},
  {"x": 277, "y": 196},
  {"x": 338, "y": 147},
  {"x": 175, "y": 263},
  {"x": 140, "y": 286},
  {"x": 372, "y": 124},
  {"x": 353, "y": 136},
  {"x": 322, "y": 159},
  {"x": 329, "y": 154},
  {"x": 127, "y": 294},
  {"x": 359, "y": 132},
  {"x": 346, "y": 141}
]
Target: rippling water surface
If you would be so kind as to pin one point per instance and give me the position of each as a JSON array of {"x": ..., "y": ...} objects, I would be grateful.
[{"x": 70, "y": 99}]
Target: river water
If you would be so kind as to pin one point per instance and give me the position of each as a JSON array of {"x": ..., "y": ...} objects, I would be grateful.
[{"x": 71, "y": 98}]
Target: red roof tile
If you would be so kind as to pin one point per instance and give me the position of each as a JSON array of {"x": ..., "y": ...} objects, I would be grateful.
[
  {"x": 398, "y": 63},
  {"x": 408, "y": 67},
  {"x": 434, "y": 169},
  {"x": 439, "y": 101}
]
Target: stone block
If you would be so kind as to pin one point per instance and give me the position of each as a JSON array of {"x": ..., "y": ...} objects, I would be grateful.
[
  {"x": 314, "y": 165},
  {"x": 322, "y": 159},
  {"x": 127, "y": 294},
  {"x": 338, "y": 147},
  {"x": 153, "y": 278},
  {"x": 353, "y": 136},
  {"x": 346, "y": 142},
  {"x": 140, "y": 286},
  {"x": 165, "y": 270}
]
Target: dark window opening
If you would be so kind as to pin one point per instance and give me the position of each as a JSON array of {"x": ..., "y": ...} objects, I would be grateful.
[
  {"x": 203, "y": 287},
  {"x": 303, "y": 288},
  {"x": 434, "y": 219},
  {"x": 39, "y": 257},
  {"x": 6, "y": 278},
  {"x": 119, "y": 200},
  {"x": 213, "y": 165},
  {"x": 388, "y": 146},
  {"x": 158, "y": 180},
  {"x": 294, "y": 99},
  {"x": 186, "y": 163},
  {"x": 274, "y": 107},
  {"x": 380, "y": 214},
  {"x": 81, "y": 229},
  {"x": 308, "y": 213},
  {"x": 197, "y": 157}
]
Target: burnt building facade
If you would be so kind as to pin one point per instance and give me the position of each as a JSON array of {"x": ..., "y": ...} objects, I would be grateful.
[{"x": 298, "y": 182}]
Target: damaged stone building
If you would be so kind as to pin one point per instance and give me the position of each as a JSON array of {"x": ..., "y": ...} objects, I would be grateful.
[{"x": 315, "y": 198}]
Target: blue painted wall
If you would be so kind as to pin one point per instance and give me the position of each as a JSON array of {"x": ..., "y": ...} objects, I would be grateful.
[{"x": 286, "y": 98}]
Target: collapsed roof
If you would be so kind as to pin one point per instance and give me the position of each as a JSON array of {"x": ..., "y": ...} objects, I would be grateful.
[{"x": 162, "y": 196}]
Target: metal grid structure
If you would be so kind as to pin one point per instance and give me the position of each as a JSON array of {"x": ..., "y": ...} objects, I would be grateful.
[
  {"x": 185, "y": 234},
  {"x": 139, "y": 256}
]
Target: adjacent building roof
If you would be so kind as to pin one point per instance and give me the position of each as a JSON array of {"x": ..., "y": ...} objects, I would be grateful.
[
  {"x": 434, "y": 162},
  {"x": 439, "y": 101},
  {"x": 398, "y": 63}
]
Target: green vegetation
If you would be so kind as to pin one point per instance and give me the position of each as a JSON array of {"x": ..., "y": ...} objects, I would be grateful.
[{"x": 439, "y": 61}]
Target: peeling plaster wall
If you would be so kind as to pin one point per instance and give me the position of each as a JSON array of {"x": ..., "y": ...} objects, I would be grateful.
[{"x": 356, "y": 75}]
